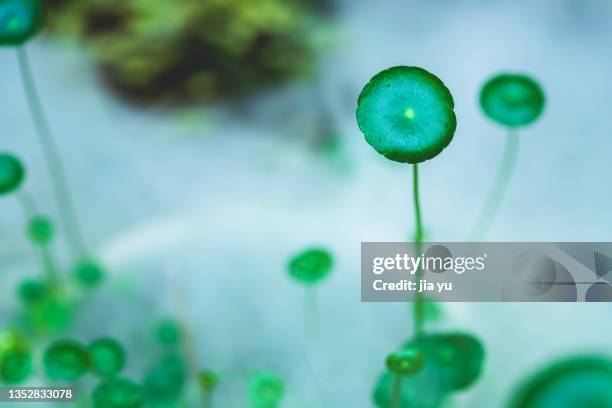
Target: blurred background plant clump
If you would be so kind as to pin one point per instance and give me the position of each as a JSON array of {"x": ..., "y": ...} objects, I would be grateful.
[{"x": 169, "y": 52}]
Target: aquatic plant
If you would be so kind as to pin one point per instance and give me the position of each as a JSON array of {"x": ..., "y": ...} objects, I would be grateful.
[
  {"x": 66, "y": 360},
  {"x": 459, "y": 357},
  {"x": 266, "y": 390},
  {"x": 40, "y": 230},
  {"x": 513, "y": 101},
  {"x": 403, "y": 363},
  {"x": 32, "y": 291},
  {"x": 118, "y": 393},
  {"x": 49, "y": 305},
  {"x": 55, "y": 167},
  {"x": 51, "y": 315},
  {"x": 12, "y": 173},
  {"x": 208, "y": 382},
  {"x": 406, "y": 114},
  {"x": 309, "y": 267},
  {"x": 578, "y": 381},
  {"x": 169, "y": 332},
  {"x": 166, "y": 379},
  {"x": 20, "y": 20},
  {"x": 107, "y": 357},
  {"x": 439, "y": 365},
  {"x": 15, "y": 358},
  {"x": 88, "y": 273}
]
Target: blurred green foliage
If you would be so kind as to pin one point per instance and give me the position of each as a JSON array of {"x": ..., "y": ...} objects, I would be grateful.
[
  {"x": 107, "y": 357},
  {"x": 40, "y": 230},
  {"x": 12, "y": 173},
  {"x": 311, "y": 265},
  {"x": 451, "y": 362},
  {"x": 208, "y": 381},
  {"x": 512, "y": 100},
  {"x": 168, "y": 332},
  {"x": 169, "y": 52},
  {"x": 15, "y": 358},
  {"x": 88, "y": 273},
  {"x": 266, "y": 390},
  {"x": 575, "y": 382},
  {"x": 405, "y": 362},
  {"x": 32, "y": 291},
  {"x": 165, "y": 380},
  {"x": 66, "y": 360},
  {"x": 53, "y": 314},
  {"x": 458, "y": 357},
  {"x": 118, "y": 393}
]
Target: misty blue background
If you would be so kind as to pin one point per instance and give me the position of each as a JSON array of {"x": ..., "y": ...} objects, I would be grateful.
[{"x": 196, "y": 211}]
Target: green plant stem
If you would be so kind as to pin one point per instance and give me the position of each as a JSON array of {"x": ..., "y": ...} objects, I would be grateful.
[
  {"x": 49, "y": 265},
  {"x": 396, "y": 396},
  {"x": 417, "y": 204},
  {"x": 46, "y": 257},
  {"x": 500, "y": 185},
  {"x": 419, "y": 309},
  {"x": 55, "y": 168}
]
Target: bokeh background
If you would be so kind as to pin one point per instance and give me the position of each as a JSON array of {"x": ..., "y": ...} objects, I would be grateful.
[{"x": 194, "y": 197}]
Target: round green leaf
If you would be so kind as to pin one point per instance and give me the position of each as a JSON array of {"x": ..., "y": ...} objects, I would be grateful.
[
  {"x": 107, "y": 357},
  {"x": 406, "y": 114},
  {"x": 12, "y": 173},
  {"x": 20, "y": 20},
  {"x": 311, "y": 266},
  {"x": 512, "y": 100},
  {"x": 88, "y": 273},
  {"x": 65, "y": 360},
  {"x": 32, "y": 291},
  {"x": 40, "y": 230}
]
